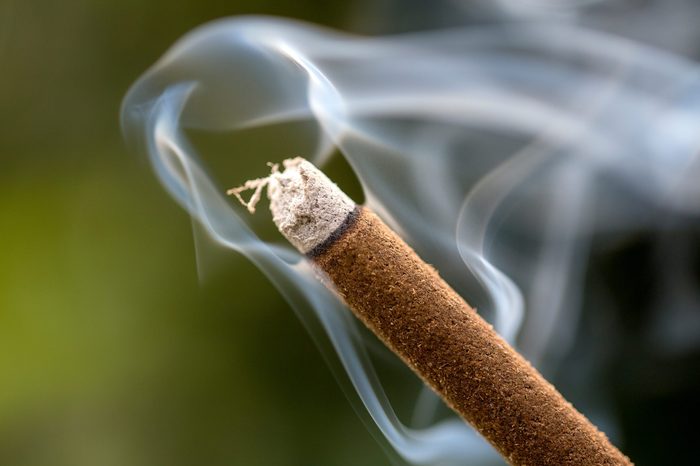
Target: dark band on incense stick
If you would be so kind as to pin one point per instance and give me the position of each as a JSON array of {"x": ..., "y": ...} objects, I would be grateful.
[{"x": 337, "y": 233}]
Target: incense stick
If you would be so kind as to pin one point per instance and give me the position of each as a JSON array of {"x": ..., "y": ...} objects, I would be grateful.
[{"x": 430, "y": 327}]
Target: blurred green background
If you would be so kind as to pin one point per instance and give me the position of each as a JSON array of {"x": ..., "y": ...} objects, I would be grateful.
[{"x": 111, "y": 353}]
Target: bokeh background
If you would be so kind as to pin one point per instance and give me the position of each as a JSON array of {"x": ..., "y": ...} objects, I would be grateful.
[{"x": 113, "y": 351}]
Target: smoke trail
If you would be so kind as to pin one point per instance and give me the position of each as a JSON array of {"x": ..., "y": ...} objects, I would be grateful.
[{"x": 496, "y": 152}]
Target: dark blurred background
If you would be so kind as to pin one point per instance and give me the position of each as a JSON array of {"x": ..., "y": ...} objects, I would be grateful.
[{"x": 111, "y": 350}]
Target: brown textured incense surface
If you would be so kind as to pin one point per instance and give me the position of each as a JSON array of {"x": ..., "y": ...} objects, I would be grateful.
[{"x": 405, "y": 302}]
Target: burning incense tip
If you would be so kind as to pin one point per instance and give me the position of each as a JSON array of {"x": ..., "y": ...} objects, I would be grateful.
[
  {"x": 428, "y": 325},
  {"x": 306, "y": 206}
]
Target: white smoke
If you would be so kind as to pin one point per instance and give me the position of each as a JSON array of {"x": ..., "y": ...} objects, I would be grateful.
[{"x": 498, "y": 152}]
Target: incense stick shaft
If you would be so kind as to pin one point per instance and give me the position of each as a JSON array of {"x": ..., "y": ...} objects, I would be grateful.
[
  {"x": 428, "y": 325},
  {"x": 417, "y": 315}
]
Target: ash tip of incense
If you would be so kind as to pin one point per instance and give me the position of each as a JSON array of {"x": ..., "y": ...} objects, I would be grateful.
[
  {"x": 307, "y": 207},
  {"x": 257, "y": 185}
]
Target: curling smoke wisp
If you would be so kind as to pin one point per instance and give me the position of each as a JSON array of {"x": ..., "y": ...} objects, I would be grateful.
[{"x": 496, "y": 152}]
